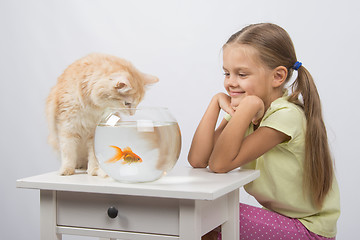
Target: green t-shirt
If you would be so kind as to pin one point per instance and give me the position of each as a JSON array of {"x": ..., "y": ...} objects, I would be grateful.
[{"x": 279, "y": 187}]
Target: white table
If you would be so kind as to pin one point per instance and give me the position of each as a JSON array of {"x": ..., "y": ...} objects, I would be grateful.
[{"x": 185, "y": 204}]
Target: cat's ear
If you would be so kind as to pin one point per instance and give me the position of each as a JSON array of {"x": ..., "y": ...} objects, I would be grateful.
[
  {"x": 150, "y": 79},
  {"x": 121, "y": 82}
]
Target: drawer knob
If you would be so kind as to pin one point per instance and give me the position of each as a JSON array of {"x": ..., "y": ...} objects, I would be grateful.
[{"x": 112, "y": 212}]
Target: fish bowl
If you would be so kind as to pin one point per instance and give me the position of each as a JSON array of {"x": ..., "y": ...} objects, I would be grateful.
[{"x": 137, "y": 144}]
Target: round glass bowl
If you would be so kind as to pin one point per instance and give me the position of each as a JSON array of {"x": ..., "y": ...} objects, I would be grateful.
[{"x": 137, "y": 145}]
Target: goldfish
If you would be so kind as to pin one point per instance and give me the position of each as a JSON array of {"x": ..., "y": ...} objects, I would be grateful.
[{"x": 127, "y": 155}]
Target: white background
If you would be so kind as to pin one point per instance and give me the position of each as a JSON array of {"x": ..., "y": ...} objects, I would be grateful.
[{"x": 180, "y": 42}]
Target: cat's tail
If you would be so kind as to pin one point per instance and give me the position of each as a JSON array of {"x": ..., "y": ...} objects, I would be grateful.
[{"x": 50, "y": 111}]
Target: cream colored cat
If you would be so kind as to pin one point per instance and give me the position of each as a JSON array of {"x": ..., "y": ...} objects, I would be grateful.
[{"x": 76, "y": 102}]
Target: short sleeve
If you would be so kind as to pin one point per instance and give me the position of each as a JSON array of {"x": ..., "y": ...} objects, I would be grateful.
[
  {"x": 287, "y": 118},
  {"x": 227, "y": 117}
]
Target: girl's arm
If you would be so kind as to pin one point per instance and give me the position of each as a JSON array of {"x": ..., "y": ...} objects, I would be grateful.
[
  {"x": 205, "y": 135},
  {"x": 232, "y": 150}
]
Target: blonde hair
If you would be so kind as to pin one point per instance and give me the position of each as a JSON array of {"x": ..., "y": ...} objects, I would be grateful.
[{"x": 276, "y": 49}]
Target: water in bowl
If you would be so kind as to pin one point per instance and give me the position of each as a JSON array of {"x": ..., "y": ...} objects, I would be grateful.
[{"x": 150, "y": 149}]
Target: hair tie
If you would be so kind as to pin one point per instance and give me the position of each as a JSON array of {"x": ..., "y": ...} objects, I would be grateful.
[{"x": 296, "y": 65}]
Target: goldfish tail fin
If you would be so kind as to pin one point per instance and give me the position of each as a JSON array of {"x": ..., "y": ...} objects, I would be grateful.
[{"x": 118, "y": 155}]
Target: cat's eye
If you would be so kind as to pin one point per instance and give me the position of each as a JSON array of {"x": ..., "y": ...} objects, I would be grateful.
[{"x": 128, "y": 104}]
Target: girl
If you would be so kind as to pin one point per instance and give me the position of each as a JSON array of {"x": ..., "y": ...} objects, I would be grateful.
[{"x": 283, "y": 135}]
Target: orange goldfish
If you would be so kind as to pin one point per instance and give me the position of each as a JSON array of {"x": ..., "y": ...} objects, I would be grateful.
[{"x": 127, "y": 155}]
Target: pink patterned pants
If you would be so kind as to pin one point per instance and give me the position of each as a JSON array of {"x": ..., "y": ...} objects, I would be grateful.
[{"x": 257, "y": 223}]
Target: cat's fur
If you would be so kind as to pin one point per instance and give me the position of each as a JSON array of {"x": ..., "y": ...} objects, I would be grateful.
[{"x": 76, "y": 102}]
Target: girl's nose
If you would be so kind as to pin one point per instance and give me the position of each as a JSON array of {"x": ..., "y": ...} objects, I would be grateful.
[{"x": 232, "y": 81}]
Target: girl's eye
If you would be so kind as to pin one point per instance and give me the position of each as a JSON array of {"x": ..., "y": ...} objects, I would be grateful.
[
  {"x": 227, "y": 74},
  {"x": 242, "y": 74}
]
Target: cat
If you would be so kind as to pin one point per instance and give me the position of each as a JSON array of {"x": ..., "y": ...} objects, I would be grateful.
[{"x": 75, "y": 104}]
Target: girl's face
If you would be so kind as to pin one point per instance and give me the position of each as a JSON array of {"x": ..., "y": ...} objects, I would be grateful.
[{"x": 245, "y": 74}]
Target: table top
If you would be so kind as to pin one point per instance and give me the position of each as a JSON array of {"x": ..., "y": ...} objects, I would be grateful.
[{"x": 182, "y": 182}]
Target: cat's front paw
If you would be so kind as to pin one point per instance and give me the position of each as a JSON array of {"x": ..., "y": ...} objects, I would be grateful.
[
  {"x": 92, "y": 171},
  {"x": 97, "y": 172},
  {"x": 101, "y": 173},
  {"x": 66, "y": 171}
]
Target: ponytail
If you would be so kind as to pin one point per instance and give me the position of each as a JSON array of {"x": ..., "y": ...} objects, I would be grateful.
[{"x": 318, "y": 167}]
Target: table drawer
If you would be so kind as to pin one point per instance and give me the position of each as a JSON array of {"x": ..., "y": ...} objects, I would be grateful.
[{"x": 135, "y": 214}]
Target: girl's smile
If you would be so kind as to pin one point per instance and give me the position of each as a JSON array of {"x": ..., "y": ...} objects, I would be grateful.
[{"x": 235, "y": 93}]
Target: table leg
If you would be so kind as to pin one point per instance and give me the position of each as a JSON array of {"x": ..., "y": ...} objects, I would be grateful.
[
  {"x": 230, "y": 229},
  {"x": 48, "y": 216},
  {"x": 190, "y": 220}
]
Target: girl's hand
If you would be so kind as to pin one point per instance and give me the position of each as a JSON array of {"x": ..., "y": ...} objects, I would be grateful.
[
  {"x": 224, "y": 102},
  {"x": 259, "y": 115},
  {"x": 257, "y": 104}
]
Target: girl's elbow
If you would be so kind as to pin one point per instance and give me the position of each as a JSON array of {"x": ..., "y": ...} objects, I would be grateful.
[
  {"x": 217, "y": 168},
  {"x": 196, "y": 163}
]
